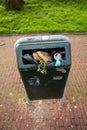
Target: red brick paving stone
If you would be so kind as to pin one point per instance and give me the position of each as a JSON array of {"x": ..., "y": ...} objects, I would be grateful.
[
  {"x": 44, "y": 114},
  {"x": 2, "y": 118},
  {"x": 52, "y": 128},
  {"x": 61, "y": 128},
  {"x": 21, "y": 119}
]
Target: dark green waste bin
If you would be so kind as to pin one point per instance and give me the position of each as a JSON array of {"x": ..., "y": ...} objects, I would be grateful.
[{"x": 38, "y": 85}]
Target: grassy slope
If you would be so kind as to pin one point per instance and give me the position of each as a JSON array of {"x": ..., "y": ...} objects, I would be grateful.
[{"x": 45, "y": 16}]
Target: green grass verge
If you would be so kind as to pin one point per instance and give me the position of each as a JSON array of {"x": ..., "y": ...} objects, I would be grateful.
[{"x": 45, "y": 16}]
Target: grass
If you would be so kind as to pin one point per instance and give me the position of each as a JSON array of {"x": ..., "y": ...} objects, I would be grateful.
[{"x": 45, "y": 16}]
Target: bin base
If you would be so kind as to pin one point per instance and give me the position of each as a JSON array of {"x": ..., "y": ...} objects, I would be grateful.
[{"x": 62, "y": 100}]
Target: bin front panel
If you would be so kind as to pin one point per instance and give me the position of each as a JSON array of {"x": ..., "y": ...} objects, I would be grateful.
[{"x": 48, "y": 86}]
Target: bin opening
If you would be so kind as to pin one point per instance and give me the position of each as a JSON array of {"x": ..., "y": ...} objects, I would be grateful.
[{"x": 35, "y": 56}]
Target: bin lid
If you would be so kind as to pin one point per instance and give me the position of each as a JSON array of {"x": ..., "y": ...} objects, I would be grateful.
[{"x": 44, "y": 38}]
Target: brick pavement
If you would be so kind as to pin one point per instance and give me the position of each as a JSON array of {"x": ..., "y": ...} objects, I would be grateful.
[{"x": 15, "y": 114}]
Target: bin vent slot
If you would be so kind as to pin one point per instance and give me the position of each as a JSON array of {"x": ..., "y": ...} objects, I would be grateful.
[{"x": 28, "y": 56}]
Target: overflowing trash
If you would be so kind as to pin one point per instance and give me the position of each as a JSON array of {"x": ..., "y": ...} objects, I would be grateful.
[
  {"x": 58, "y": 59},
  {"x": 29, "y": 59},
  {"x": 43, "y": 58}
]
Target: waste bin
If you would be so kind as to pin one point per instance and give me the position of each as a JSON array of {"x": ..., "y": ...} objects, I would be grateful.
[{"x": 51, "y": 84}]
